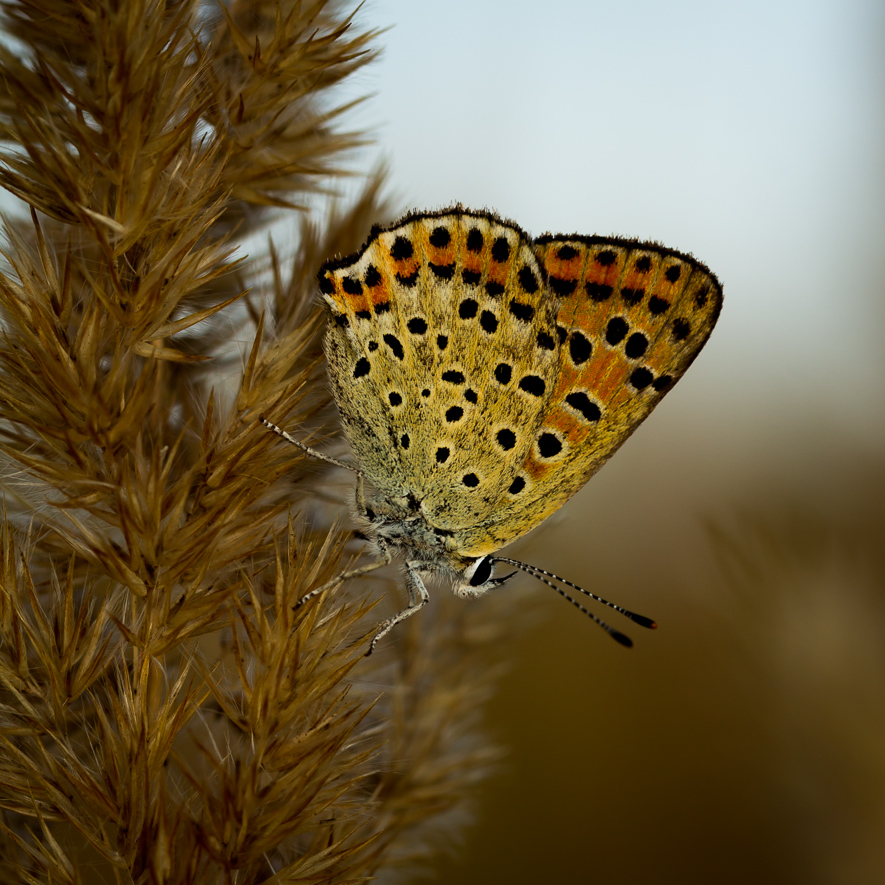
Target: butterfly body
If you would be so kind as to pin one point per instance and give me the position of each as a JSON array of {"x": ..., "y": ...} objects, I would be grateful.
[
  {"x": 400, "y": 528},
  {"x": 482, "y": 376}
]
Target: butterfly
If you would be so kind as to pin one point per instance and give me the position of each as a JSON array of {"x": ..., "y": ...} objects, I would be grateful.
[{"x": 482, "y": 377}]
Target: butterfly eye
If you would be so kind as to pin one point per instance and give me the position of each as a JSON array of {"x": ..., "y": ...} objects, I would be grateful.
[{"x": 479, "y": 572}]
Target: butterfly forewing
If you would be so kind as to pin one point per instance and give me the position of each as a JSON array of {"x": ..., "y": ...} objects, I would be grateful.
[{"x": 632, "y": 317}]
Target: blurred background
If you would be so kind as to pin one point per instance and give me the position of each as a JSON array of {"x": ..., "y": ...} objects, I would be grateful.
[{"x": 745, "y": 739}]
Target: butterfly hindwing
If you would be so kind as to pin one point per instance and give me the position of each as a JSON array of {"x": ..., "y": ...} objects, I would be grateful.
[{"x": 434, "y": 354}]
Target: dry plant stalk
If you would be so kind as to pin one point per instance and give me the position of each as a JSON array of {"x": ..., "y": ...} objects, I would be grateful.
[{"x": 166, "y": 713}]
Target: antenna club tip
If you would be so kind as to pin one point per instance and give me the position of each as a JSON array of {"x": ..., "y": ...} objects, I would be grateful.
[
  {"x": 626, "y": 641},
  {"x": 643, "y": 621}
]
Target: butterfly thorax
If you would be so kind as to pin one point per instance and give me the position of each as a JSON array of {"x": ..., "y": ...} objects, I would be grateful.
[{"x": 403, "y": 527}]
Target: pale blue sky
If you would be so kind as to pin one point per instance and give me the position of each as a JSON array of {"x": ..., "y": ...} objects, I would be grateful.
[{"x": 751, "y": 134}]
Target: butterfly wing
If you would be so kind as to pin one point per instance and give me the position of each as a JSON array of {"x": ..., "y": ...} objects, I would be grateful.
[
  {"x": 488, "y": 377},
  {"x": 632, "y": 317},
  {"x": 442, "y": 352}
]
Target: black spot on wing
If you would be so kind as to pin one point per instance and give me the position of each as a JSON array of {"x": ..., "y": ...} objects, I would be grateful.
[
  {"x": 641, "y": 378},
  {"x": 506, "y": 439},
  {"x": 632, "y": 296},
  {"x": 488, "y": 321},
  {"x": 580, "y": 349},
  {"x": 549, "y": 445},
  {"x": 545, "y": 341},
  {"x": 527, "y": 280},
  {"x": 474, "y": 240},
  {"x": 440, "y": 237},
  {"x": 523, "y": 312},
  {"x": 562, "y": 287},
  {"x": 408, "y": 280},
  {"x": 443, "y": 271},
  {"x": 681, "y": 329},
  {"x": 598, "y": 292},
  {"x": 372, "y": 277},
  {"x": 582, "y": 404},
  {"x": 500, "y": 250},
  {"x": 657, "y": 306},
  {"x": 396, "y": 347},
  {"x": 636, "y": 346},
  {"x": 607, "y": 257},
  {"x": 401, "y": 249},
  {"x": 467, "y": 309},
  {"x": 616, "y": 329},
  {"x": 532, "y": 384}
]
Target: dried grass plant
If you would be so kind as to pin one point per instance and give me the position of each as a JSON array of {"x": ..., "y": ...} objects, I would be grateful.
[{"x": 166, "y": 713}]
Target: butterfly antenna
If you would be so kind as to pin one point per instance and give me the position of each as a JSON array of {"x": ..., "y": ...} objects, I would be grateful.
[
  {"x": 307, "y": 449},
  {"x": 544, "y": 576}
]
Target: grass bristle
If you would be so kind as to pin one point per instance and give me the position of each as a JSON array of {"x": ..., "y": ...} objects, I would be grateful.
[{"x": 168, "y": 714}]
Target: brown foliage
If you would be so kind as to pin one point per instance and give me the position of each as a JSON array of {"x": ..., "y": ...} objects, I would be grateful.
[{"x": 167, "y": 713}]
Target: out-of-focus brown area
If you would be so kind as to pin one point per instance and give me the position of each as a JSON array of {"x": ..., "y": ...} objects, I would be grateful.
[{"x": 741, "y": 742}]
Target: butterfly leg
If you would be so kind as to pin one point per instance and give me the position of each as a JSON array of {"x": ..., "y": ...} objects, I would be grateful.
[
  {"x": 418, "y": 597},
  {"x": 384, "y": 559},
  {"x": 361, "y": 506}
]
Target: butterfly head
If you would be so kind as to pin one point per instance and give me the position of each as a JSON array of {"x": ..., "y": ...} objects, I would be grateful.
[
  {"x": 402, "y": 527},
  {"x": 479, "y": 576}
]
